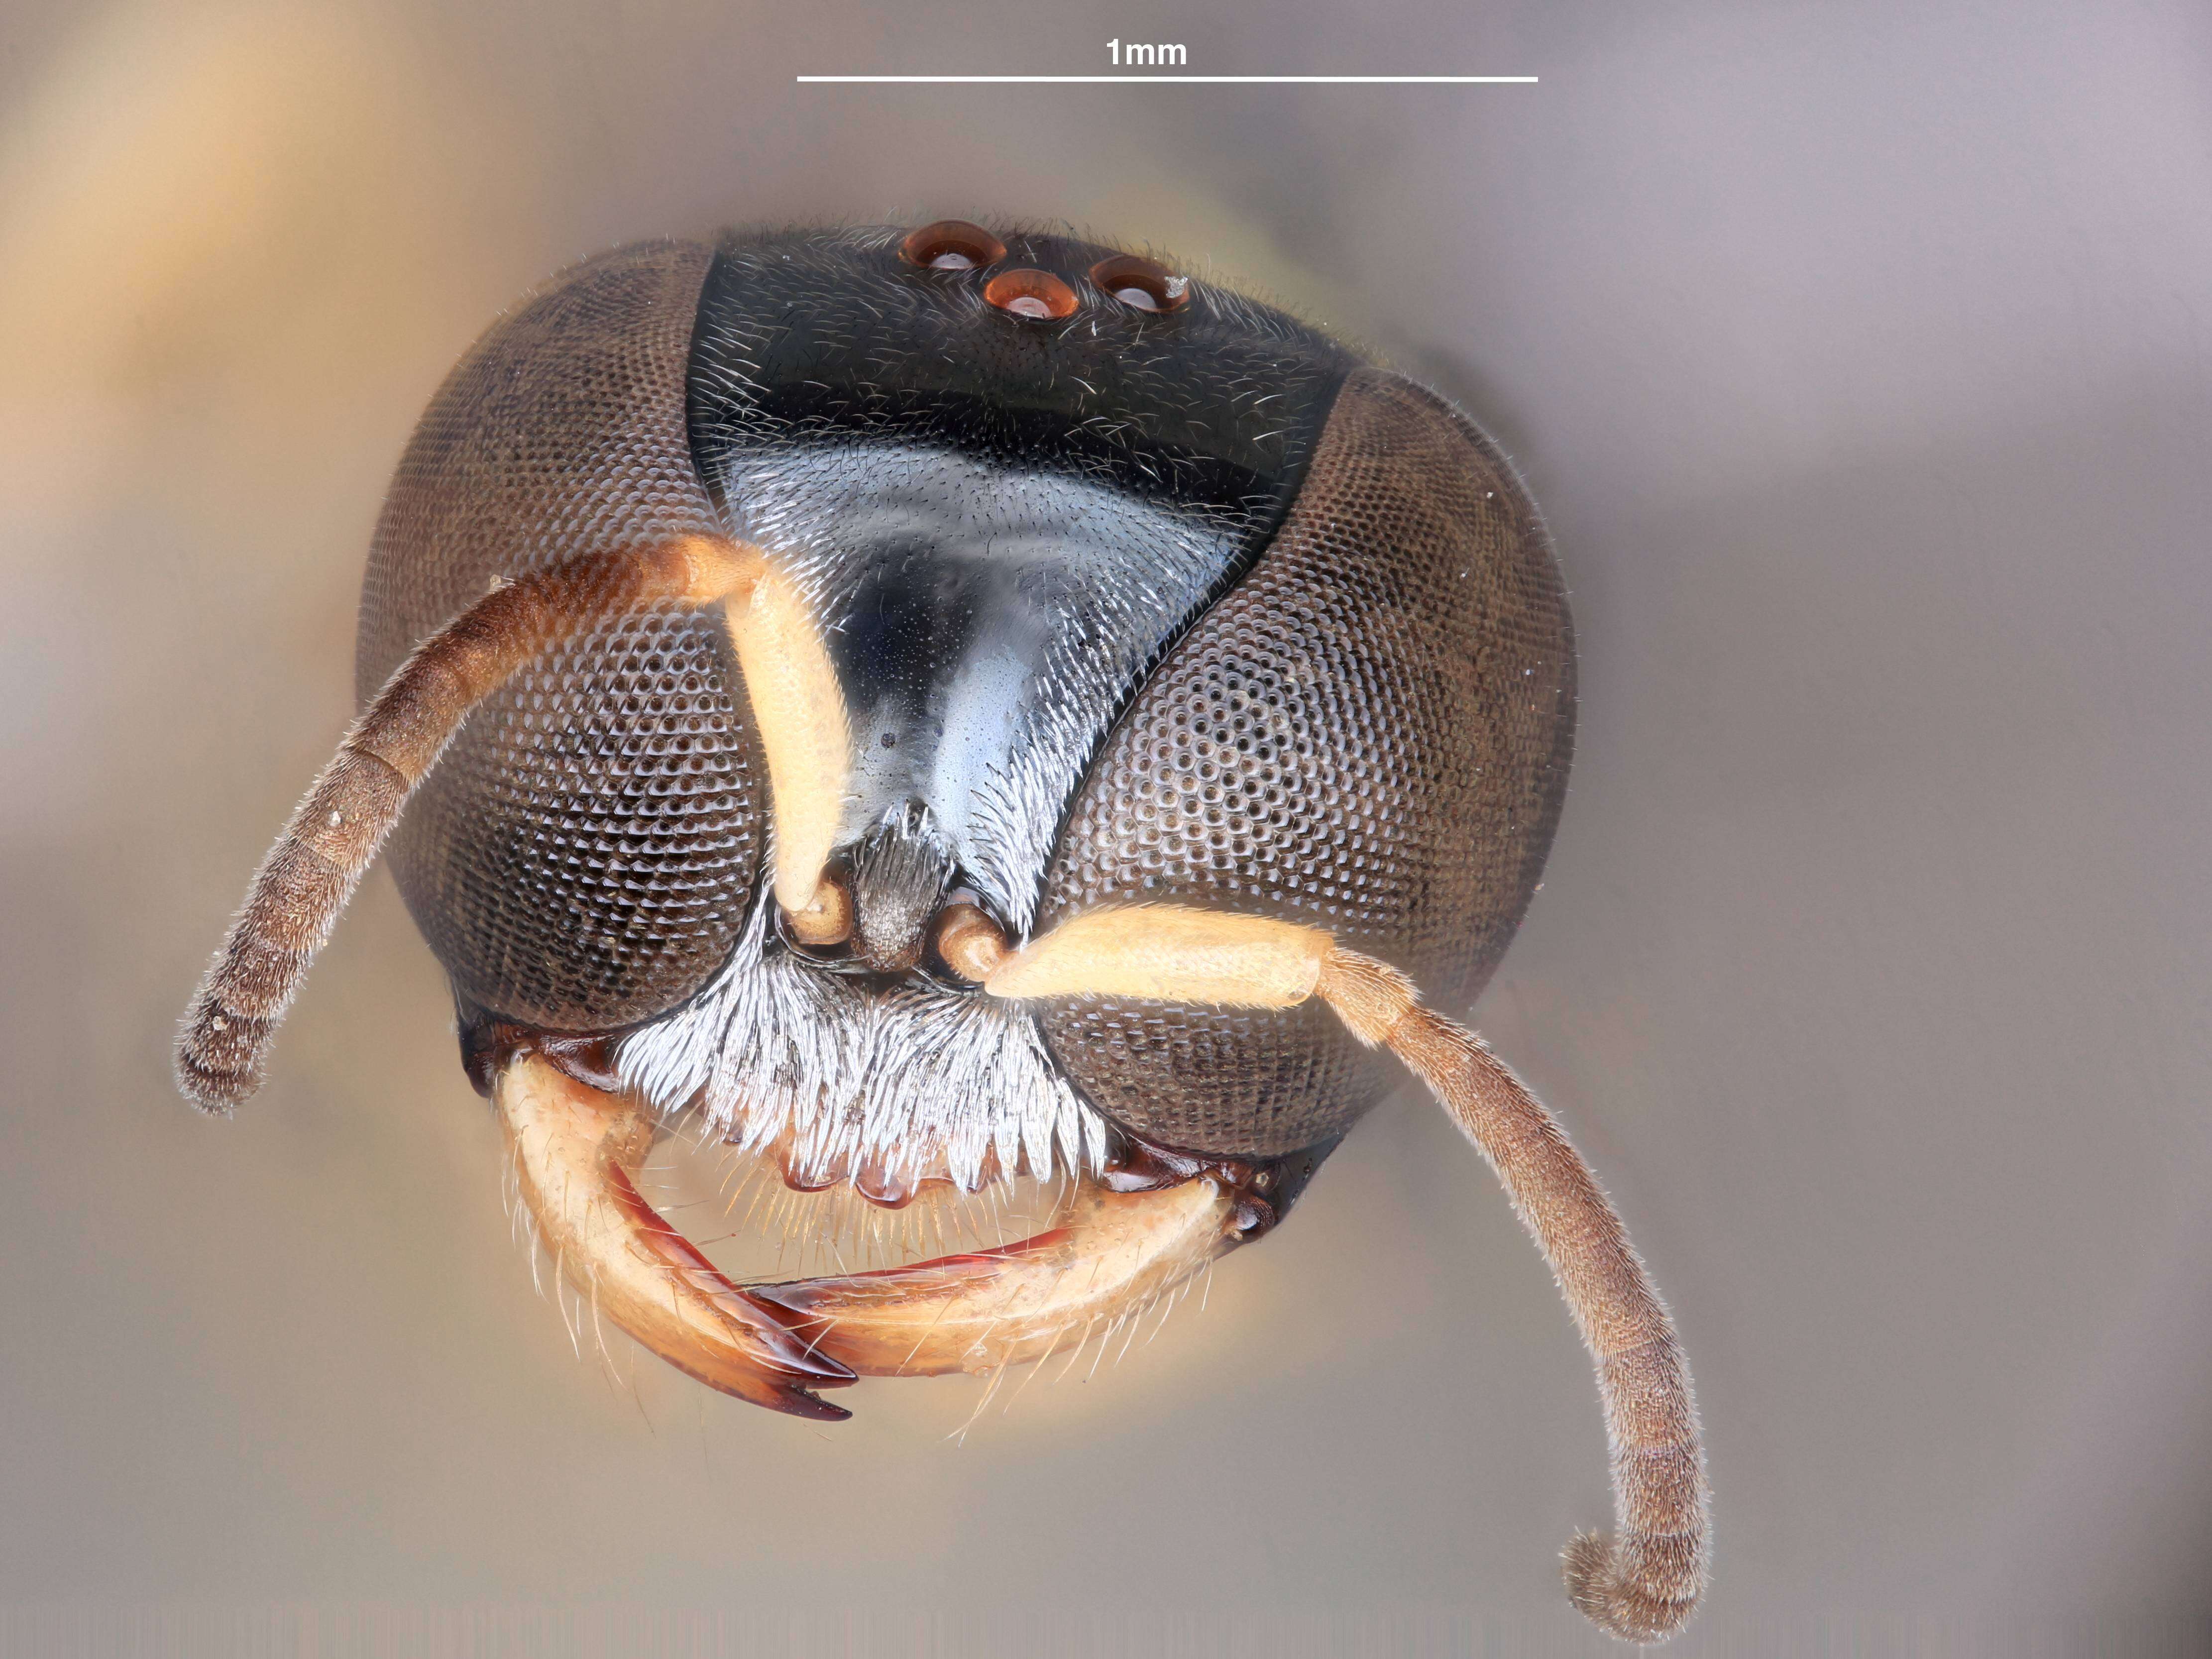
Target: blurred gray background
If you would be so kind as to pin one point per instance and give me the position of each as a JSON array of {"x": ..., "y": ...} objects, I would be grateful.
[{"x": 1858, "y": 357}]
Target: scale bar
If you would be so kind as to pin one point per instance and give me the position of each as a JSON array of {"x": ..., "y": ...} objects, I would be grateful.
[{"x": 1209, "y": 79}]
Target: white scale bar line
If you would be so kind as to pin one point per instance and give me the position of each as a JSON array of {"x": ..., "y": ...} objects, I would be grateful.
[{"x": 1209, "y": 80}]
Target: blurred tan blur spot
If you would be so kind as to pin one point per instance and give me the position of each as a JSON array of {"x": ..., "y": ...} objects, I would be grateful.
[{"x": 189, "y": 192}]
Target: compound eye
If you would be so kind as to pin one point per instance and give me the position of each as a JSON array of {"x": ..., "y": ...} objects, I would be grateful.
[
  {"x": 1036, "y": 294},
  {"x": 952, "y": 245},
  {"x": 1140, "y": 283}
]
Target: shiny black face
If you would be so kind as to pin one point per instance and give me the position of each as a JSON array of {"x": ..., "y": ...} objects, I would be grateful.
[
  {"x": 816, "y": 337},
  {"x": 1001, "y": 518}
]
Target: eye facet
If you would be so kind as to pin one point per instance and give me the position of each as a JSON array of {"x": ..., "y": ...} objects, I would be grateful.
[
  {"x": 1036, "y": 294},
  {"x": 1141, "y": 284},
  {"x": 952, "y": 245}
]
